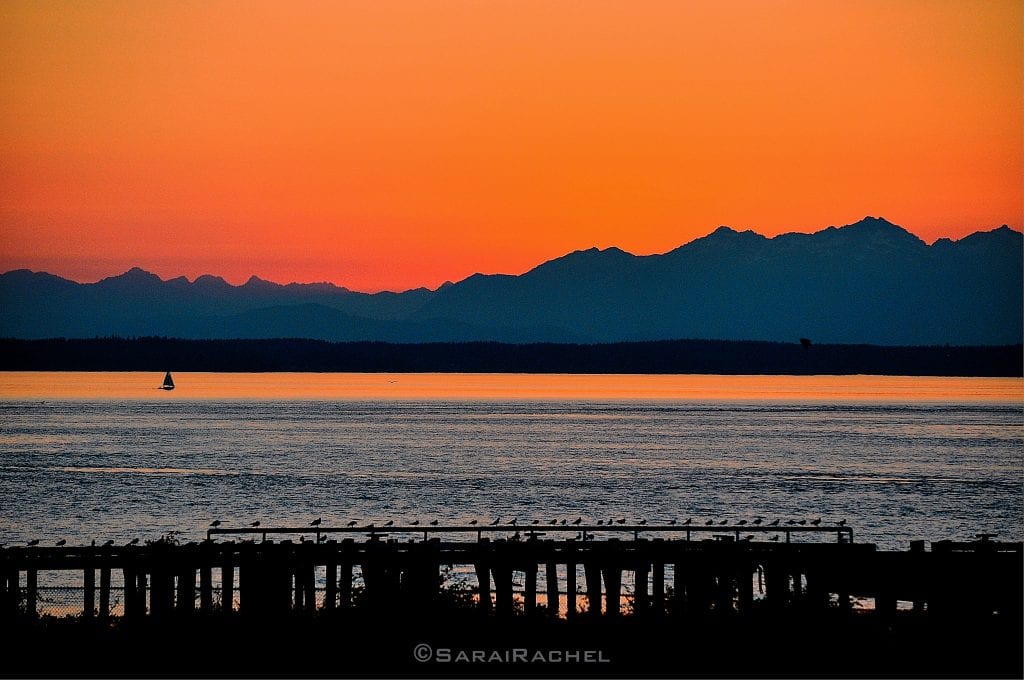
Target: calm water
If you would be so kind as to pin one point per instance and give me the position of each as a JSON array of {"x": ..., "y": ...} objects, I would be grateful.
[{"x": 98, "y": 456}]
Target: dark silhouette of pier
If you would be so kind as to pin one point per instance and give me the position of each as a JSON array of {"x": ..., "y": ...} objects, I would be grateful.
[{"x": 569, "y": 581}]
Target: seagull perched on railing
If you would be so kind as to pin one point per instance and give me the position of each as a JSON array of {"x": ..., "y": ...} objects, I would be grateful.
[
  {"x": 215, "y": 523},
  {"x": 723, "y": 522},
  {"x": 621, "y": 520},
  {"x": 774, "y": 538},
  {"x": 512, "y": 522},
  {"x": 496, "y": 521},
  {"x": 352, "y": 523},
  {"x": 414, "y": 523},
  {"x": 61, "y": 542},
  {"x": 841, "y": 523},
  {"x": 687, "y": 522},
  {"x": 578, "y": 521},
  {"x": 742, "y": 522},
  {"x": 389, "y": 523},
  {"x": 757, "y": 521},
  {"x": 34, "y": 541},
  {"x": 134, "y": 541},
  {"x": 108, "y": 543},
  {"x": 642, "y": 522},
  {"x": 433, "y": 522},
  {"x": 255, "y": 524},
  {"x": 316, "y": 522},
  {"x": 816, "y": 522},
  {"x": 773, "y": 524},
  {"x": 709, "y": 522}
]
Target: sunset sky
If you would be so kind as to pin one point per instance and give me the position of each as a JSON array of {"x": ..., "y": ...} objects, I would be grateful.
[{"x": 389, "y": 145}]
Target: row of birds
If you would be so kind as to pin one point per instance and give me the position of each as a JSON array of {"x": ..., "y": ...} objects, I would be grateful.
[
  {"x": 757, "y": 521},
  {"x": 62, "y": 542}
]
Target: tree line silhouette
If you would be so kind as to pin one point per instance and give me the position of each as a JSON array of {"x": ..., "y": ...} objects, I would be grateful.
[{"x": 668, "y": 356}]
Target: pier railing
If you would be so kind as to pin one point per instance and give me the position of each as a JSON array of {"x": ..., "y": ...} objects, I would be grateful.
[
  {"x": 555, "y": 571},
  {"x": 580, "y": 532}
]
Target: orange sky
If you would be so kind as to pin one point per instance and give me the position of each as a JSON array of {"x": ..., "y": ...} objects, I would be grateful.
[{"x": 387, "y": 145}]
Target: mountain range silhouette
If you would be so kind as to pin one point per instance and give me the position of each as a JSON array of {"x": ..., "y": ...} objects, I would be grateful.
[{"x": 871, "y": 282}]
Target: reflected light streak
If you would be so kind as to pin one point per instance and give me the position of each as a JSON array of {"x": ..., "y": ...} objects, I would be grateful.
[{"x": 508, "y": 387}]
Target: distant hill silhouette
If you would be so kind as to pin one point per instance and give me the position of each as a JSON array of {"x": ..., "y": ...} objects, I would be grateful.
[
  {"x": 664, "y": 356},
  {"x": 871, "y": 282}
]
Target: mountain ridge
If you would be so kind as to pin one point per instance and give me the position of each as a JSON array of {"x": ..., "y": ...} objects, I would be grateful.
[{"x": 868, "y": 282}]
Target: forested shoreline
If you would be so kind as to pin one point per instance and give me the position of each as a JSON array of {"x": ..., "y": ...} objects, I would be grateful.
[{"x": 670, "y": 356}]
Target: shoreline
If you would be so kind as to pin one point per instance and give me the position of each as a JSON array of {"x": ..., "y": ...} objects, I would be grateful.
[{"x": 664, "y": 357}]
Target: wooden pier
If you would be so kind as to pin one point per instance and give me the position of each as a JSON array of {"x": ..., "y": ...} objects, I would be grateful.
[
  {"x": 653, "y": 600},
  {"x": 674, "y": 571}
]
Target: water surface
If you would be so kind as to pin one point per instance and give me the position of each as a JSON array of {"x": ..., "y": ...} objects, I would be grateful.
[{"x": 107, "y": 455}]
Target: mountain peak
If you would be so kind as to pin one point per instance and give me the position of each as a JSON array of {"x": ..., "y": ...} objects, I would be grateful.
[
  {"x": 256, "y": 282},
  {"x": 210, "y": 279},
  {"x": 875, "y": 229},
  {"x": 135, "y": 275}
]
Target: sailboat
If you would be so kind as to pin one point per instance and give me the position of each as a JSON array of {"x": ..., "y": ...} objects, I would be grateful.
[{"x": 168, "y": 382}]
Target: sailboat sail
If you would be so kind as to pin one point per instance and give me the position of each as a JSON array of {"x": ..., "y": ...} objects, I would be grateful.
[{"x": 168, "y": 382}]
